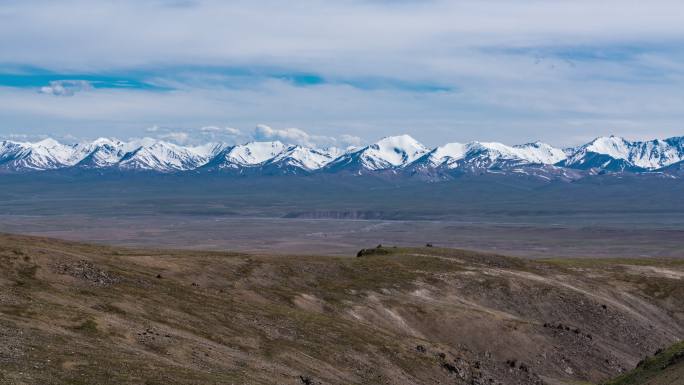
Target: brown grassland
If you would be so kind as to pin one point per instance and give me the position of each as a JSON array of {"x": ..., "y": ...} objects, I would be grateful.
[{"x": 73, "y": 313}]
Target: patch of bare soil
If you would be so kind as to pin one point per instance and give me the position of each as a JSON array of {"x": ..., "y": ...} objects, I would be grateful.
[{"x": 88, "y": 272}]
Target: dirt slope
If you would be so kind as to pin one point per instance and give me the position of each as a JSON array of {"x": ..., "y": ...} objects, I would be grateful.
[{"x": 83, "y": 314}]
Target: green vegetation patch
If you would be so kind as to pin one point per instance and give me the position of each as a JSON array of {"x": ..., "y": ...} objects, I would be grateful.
[{"x": 88, "y": 326}]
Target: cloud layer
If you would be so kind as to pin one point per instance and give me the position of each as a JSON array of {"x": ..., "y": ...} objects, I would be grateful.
[
  {"x": 261, "y": 132},
  {"x": 440, "y": 70}
]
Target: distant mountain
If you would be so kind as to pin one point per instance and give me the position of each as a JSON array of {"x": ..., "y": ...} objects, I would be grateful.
[
  {"x": 478, "y": 155},
  {"x": 48, "y": 154},
  {"x": 534, "y": 159},
  {"x": 395, "y": 156},
  {"x": 658, "y": 153},
  {"x": 102, "y": 153},
  {"x": 237, "y": 159},
  {"x": 167, "y": 157},
  {"x": 298, "y": 160},
  {"x": 619, "y": 155},
  {"x": 392, "y": 152}
]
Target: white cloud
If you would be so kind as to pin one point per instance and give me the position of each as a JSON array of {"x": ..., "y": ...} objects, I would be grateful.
[
  {"x": 504, "y": 112},
  {"x": 350, "y": 140},
  {"x": 288, "y": 135},
  {"x": 261, "y": 132},
  {"x": 23, "y": 137},
  {"x": 178, "y": 137},
  {"x": 227, "y": 130},
  {"x": 298, "y": 136},
  {"x": 229, "y": 135},
  {"x": 519, "y": 69},
  {"x": 347, "y": 36},
  {"x": 65, "y": 87}
]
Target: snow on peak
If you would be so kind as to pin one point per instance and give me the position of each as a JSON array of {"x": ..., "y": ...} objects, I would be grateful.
[
  {"x": 657, "y": 153},
  {"x": 334, "y": 152},
  {"x": 254, "y": 153},
  {"x": 303, "y": 157},
  {"x": 487, "y": 154},
  {"x": 47, "y": 143},
  {"x": 448, "y": 153},
  {"x": 613, "y": 146},
  {"x": 392, "y": 151},
  {"x": 102, "y": 156},
  {"x": 46, "y": 154},
  {"x": 207, "y": 150},
  {"x": 400, "y": 141},
  {"x": 648, "y": 155},
  {"x": 162, "y": 156},
  {"x": 538, "y": 152}
]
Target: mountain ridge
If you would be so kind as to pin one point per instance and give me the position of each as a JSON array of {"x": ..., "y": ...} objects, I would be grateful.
[{"x": 396, "y": 155}]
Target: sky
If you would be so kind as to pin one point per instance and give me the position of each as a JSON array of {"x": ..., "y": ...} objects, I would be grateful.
[{"x": 344, "y": 72}]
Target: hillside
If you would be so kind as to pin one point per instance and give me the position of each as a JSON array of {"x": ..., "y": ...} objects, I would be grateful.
[
  {"x": 666, "y": 367},
  {"x": 84, "y": 314}
]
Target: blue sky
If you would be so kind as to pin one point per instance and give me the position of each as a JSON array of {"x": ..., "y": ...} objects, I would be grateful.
[{"x": 343, "y": 72}]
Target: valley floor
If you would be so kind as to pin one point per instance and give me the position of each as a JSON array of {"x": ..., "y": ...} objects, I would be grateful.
[
  {"x": 74, "y": 313},
  {"x": 616, "y": 236}
]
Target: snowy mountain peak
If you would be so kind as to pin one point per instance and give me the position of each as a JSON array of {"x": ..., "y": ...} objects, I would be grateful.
[
  {"x": 614, "y": 153},
  {"x": 399, "y": 141},
  {"x": 392, "y": 153},
  {"x": 657, "y": 153},
  {"x": 613, "y": 146},
  {"x": 298, "y": 157},
  {"x": 446, "y": 154},
  {"x": 46, "y": 154},
  {"x": 254, "y": 153},
  {"x": 539, "y": 152},
  {"x": 207, "y": 150},
  {"x": 162, "y": 156},
  {"x": 489, "y": 155},
  {"x": 388, "y": 153}
]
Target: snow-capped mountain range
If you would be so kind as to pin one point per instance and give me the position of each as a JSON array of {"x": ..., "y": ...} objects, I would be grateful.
[{"x": 391, "y": 155}]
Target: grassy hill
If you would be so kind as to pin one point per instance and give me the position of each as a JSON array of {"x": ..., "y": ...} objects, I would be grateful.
[{"x": 85, "y": 314}]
